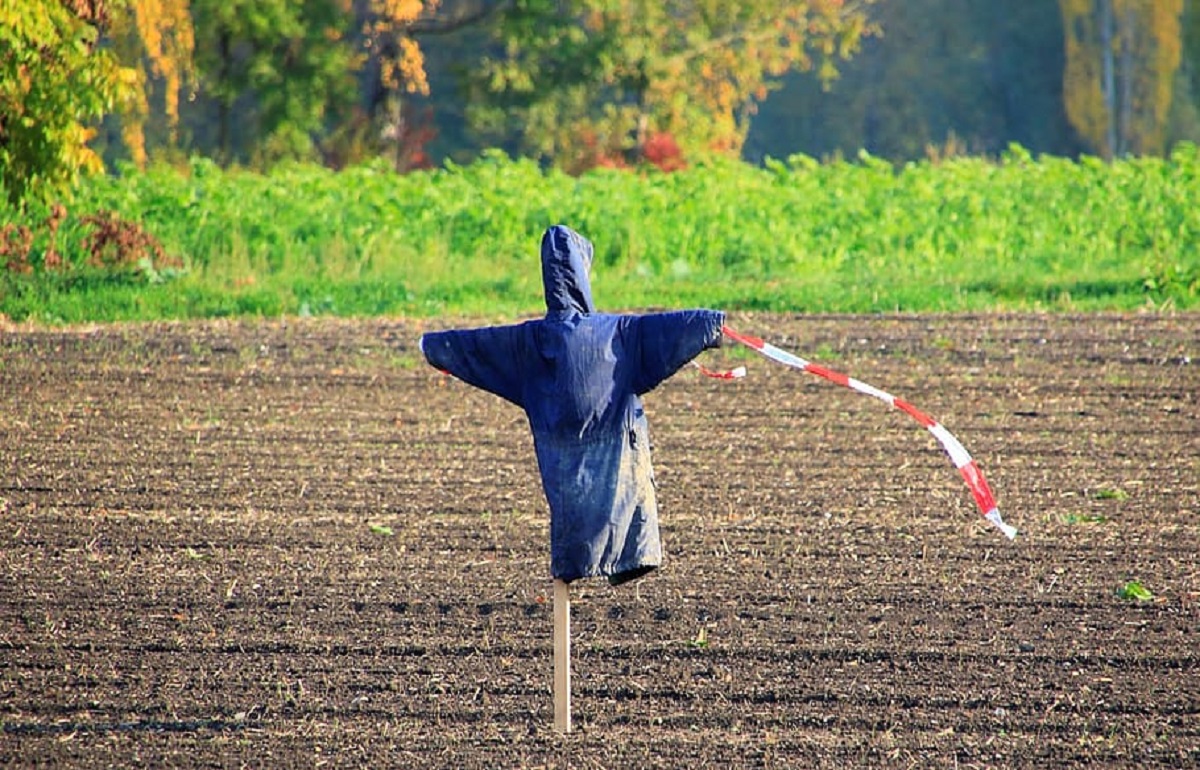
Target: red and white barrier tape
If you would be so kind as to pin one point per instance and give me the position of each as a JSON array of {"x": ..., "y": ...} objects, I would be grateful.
[
  {"x": 729, "y": 374},
  {"x": 958, "y": 454}
]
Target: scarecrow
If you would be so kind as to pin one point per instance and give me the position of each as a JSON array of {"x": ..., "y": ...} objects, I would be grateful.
[{"x": 579, "y": 374}]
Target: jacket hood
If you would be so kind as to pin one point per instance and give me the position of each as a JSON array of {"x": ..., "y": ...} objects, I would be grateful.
[{"x": 566, "y": 262}]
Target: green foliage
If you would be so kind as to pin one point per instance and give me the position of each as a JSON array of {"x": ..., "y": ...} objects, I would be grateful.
[
  {"x": 1111, "y": 493},
  {"x": 588, "y": 82},
  {"x": 283, "y": 70},
  {"x": 797, "y": 235},
  {"x": 1085, "y": 518},
  {"x": 1134, "y": 591},
  {"x": 54, "y": 81}
]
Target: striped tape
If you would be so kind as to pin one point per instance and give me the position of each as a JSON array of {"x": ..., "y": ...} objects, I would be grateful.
[{"x": 957, "y": 452}]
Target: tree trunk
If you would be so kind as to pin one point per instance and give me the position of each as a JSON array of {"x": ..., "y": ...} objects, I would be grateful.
[
  {"x": 224, "y": 107},
  {"x": 398, "y": 129},
  {"x": 1108, "y": 86},
  {"x": 1128, "y": 49}
]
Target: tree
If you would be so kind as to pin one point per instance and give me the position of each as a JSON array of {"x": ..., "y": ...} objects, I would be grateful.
[
  {"x": 394, "y": 30},
  {"x": 284, "y": 67},
  {"x": 941, "y": 76},
  {"x": 587, "y": 80},
  {"x": 400, "y": 68},
  {"x": 1121, "y": 59},
  {"x": 55, "y": 82},
  {"x": 155, "y": 39},
  {"x": 264, "y": 80}
]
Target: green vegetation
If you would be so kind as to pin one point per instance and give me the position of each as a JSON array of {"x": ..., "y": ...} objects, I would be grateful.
[
  {"x": 1135, "y": 591},
  {"x": 962, "y": 234},
  {"x": 1085, "y": 518},
  {"x": 54, "y": 80},
  {"x": 1111, "y": 493},
  {"x": 600, "y": 82}
]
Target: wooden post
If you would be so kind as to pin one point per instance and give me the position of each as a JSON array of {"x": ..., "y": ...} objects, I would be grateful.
[{"x": 562, "y": 657}]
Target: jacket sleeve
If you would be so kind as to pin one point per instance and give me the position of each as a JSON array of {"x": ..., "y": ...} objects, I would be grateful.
[
  {"x": 488, "y": 358},
  {"x": 667, "y": 341}
]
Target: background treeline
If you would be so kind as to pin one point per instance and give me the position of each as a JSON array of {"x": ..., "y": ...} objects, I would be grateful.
[
  {"x": 584, "y": 83},
  {"x": 1055, "y": 76},
  {"x": 962, "y": 76}
]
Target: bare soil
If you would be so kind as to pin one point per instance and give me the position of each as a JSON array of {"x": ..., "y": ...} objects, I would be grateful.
[{"x": 294, "y": 544}]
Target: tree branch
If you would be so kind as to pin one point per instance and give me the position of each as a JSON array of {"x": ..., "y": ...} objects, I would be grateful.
[{"x": 464, "y": 15}]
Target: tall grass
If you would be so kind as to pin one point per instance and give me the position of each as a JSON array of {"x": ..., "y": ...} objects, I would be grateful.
[{"x": 795, "y": 235}]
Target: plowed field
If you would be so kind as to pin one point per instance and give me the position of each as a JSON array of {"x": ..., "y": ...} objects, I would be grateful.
[{"x": 294, "y": 544}]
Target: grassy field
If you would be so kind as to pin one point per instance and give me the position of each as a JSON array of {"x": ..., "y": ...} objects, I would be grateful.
[{"x": 965, "y": 234}]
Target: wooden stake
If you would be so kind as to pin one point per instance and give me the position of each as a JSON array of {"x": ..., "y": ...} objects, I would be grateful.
[{"x": 562, "y": 657}]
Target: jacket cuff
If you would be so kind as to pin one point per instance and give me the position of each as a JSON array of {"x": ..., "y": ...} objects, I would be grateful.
[{"x": 718, "y": 333}]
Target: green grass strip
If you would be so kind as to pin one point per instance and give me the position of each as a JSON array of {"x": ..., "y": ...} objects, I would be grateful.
[{"x": 966, "y": 234}]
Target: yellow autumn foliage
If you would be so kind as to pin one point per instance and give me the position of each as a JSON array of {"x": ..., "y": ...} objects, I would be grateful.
[
  {"x": 1118, "y": 98},
  {"x": 389, "y": 27},
  {"x": 156, "y": 39}
]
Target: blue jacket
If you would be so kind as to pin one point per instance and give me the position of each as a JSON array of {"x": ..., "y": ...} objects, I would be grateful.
[{"x": 578, "y": 375}]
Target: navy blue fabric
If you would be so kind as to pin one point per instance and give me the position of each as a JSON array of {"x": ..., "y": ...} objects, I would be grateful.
[{"x": 578, "y": 375}]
